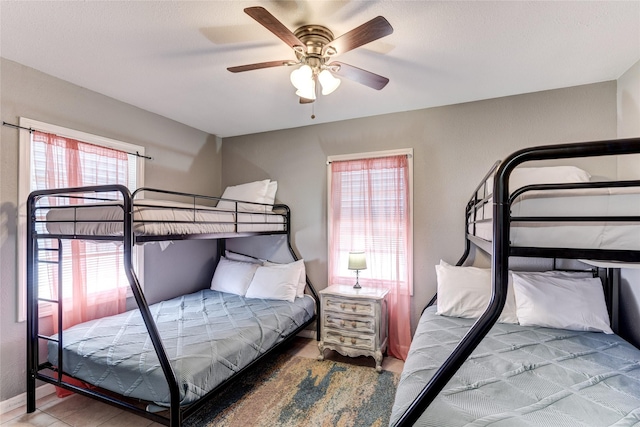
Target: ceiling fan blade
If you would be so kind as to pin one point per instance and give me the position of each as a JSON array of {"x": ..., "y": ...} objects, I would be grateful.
[
  {"x": 257, "y": 66},
  {"x": 306, "y": 100},
  {"x": 372, "y": 30},
  {"x": 359, "y": 75},
  {"x": 270, "y": 22}
]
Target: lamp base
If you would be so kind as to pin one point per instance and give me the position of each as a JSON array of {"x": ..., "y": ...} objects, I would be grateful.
[{"x": 357, "y": 285}]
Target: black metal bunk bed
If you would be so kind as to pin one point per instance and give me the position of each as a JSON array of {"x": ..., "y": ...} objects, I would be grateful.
[
  {"x": 501, "y": 249},
  {"x": 191, "y": 221}
]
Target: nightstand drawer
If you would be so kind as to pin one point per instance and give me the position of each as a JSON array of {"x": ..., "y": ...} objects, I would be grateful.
[
  {"x": 346, "y": 323},
  {"x": 350, "y": 306},
  {"x": 366, "y": 342}
]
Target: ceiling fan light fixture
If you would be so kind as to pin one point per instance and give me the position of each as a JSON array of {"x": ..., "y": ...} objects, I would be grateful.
[
  {"x": 300, "y": 77},
  {"x": 308, "y": 91},
  {"x": 328, "y": 82}
]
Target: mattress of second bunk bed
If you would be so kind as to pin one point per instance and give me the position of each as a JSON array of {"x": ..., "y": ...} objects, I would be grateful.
[
  {"x": 208, "y": 337},
  {"x": 160, "y": 218},
  {"x": 606, "y": 202},
  {"x": 523, "y": 376}
]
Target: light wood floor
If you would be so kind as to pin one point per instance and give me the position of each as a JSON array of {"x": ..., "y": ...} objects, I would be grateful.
[{"x": 80, "y": 411}]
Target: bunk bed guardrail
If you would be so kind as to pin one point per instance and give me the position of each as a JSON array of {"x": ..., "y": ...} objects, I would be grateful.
[
  {"x": 197, "y": 205},
  {"x": 501, "y": 249}
]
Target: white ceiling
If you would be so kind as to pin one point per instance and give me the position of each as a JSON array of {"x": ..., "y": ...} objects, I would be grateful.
[{"x": 170, "y": 57}]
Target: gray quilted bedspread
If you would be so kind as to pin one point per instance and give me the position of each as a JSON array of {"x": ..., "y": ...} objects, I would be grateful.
[
  {"x": 523, "y": 376},
  {"x": 208, "y": 336}
]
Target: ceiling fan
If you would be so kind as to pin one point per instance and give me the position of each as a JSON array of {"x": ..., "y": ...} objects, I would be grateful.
[{"x": 314, "y": 47}]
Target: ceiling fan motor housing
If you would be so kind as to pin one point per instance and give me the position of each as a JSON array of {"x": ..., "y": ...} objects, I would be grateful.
[{"x": 315, "y": 38}]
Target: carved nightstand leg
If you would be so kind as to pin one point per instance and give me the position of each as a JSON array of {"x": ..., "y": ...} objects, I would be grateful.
[
  {"x": 321, "y": 348},
  {"x": 378, "y": 356}
]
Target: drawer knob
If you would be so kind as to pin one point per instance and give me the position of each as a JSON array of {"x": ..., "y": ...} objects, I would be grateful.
[
  {"x": 353, "y": 340},
  {"x": 342, "y": 323},
  {"x": 342, "y": 305},
  {"x": 341, "y": 339},
  {"x": 353, "y": 324},
  {"x": 353, "y": 307}
]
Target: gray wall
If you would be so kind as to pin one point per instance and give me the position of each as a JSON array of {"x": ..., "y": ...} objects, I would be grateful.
[
  {"x": 629, "y": 104},
  {"x": 184, "y": 159},
  {"x": 454, "y": 146}
]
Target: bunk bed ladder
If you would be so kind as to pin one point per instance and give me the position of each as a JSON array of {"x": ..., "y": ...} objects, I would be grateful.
[{"x": 59, "y": 298}]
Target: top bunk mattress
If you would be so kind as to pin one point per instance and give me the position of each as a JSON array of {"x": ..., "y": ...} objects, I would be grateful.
[
  {"x": 208, "y": 336},
  {"x": 523, "y": 376},
  {"x": 159, "y": 218},
  {"x": 570, "y": 203}
]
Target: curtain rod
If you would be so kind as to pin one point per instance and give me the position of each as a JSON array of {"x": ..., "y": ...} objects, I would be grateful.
[
  {"x": 31, "y": 130},
  {"x": 374, "y": 157}
]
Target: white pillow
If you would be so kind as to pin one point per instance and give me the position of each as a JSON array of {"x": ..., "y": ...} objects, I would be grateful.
[
  {"x": 242, "y": 258},
  {"x": 466, "y": 291},
  {"x": 521, "y": 177},
  {"x": 270, "y": 196},
  {"x": 546, "y": 175},
  {"x": 250, "y": 192},
  {"x": 302, "y": 279},
  {"x": 233, "y": 277},
  {"x": 275, "y": 282},
  {"x": 561, "y": 302}
]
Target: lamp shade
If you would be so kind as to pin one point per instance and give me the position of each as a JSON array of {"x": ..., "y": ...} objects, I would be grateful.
[
  {"x": 308, "y": 91},
  {"x": 300, "y": 77},
  {"x": 328, "y": 82},
  {"x": 357, "y": 261}
]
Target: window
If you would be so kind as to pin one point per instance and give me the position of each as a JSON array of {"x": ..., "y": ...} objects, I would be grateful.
[
  {"x": 56, "y": 157},
  {"x": 370, "y": 210}
]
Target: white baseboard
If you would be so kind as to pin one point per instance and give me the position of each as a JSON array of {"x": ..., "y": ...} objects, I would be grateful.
[{"x": 21, "y": 400}]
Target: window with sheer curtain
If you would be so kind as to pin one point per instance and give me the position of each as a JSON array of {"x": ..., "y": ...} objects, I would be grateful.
[
  {"x": 370, "y": 210},
  {"x": 93, "y": 280}
]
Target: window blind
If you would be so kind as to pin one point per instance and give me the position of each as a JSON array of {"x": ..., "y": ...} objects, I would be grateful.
[{"x": 59, "y": 162}]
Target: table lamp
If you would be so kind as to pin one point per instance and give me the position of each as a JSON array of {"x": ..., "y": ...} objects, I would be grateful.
[{"x": 357, "y": 262}]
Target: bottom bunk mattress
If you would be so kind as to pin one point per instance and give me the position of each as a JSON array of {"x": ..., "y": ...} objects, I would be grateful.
[
  {"x": 523, "y": 376},
  {"x": 208, "y": 336}
]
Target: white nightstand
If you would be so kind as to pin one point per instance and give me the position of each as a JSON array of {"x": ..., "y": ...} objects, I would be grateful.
[{"x": 354, "y": 322}]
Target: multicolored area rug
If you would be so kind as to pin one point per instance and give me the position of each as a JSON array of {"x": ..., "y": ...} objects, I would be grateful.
[{"x": 297, "y": 391}]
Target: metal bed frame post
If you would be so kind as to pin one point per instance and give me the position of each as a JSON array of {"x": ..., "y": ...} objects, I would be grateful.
[
  {"x": 295, "y": 257},
  {"x": 32, "y": 313},
  {"x": 143, "y": 306},
  {"x": 613, "y": 286},
  {"x": 467, "y": 243},
  {"x": 500, "y": 260}
]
